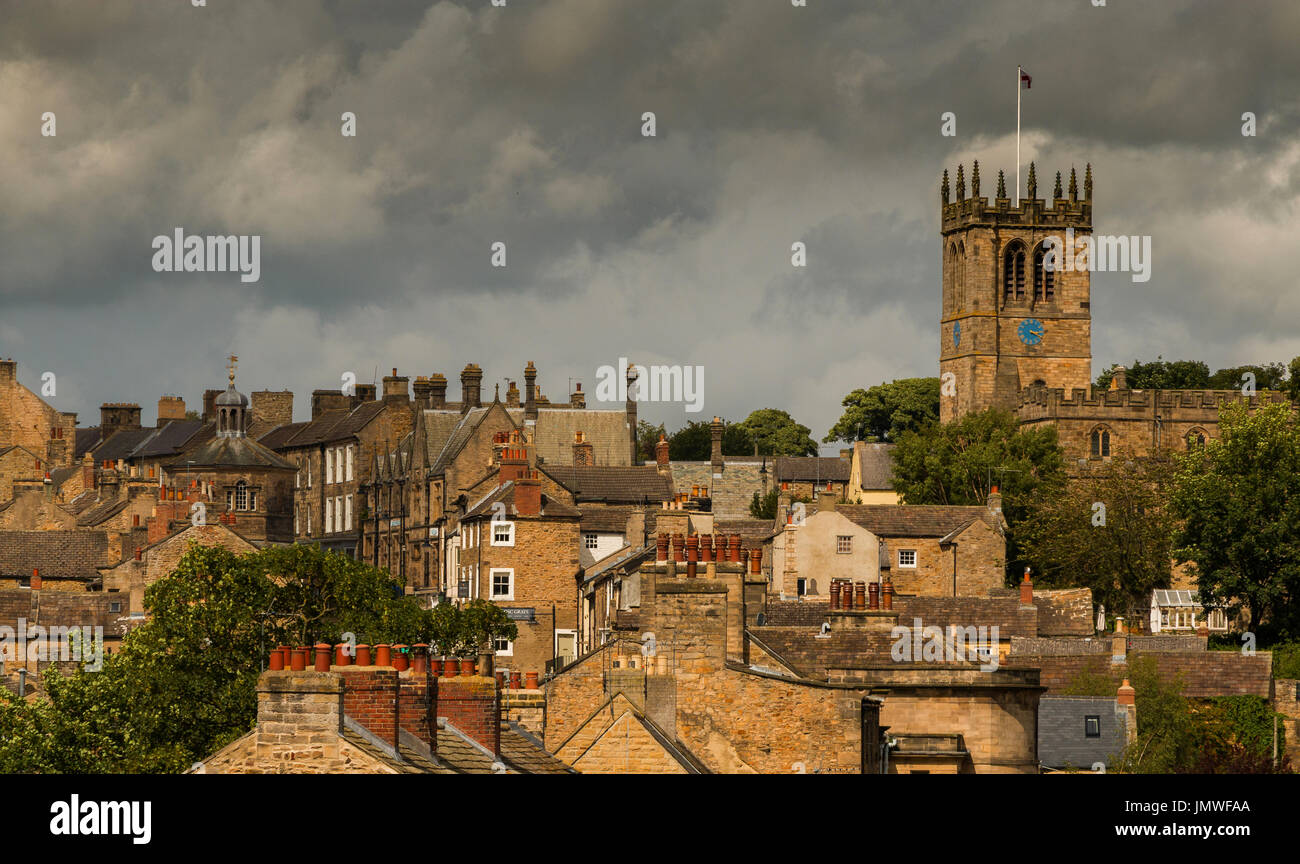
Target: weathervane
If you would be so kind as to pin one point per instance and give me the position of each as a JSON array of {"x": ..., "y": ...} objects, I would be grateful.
[{"x": 230, "y": 368}]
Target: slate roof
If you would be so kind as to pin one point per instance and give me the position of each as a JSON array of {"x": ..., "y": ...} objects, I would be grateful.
[
  {"x": 120, "y": 444},
  {"x": 805, "y": 468},
  {"x": 230, "y": 453},
  {"x": 875, "y": 465},
  {"x": 612, "y": 484},
  {"x": 606, "y": 520},
  {"x": 914, "y": 520},
  {"x": 57, "y": 554},
  {"x": 170, "y": 439},
  {"x": 102, "y": 511},
  {"x": 605, "y": 430},
  {"x": 85, "y": 439},
  {"x": 65, "y": 609},
  {"x": 1061, "y": 738},
  {"x": 505, "y": 494},
  {"x": 329, "y": 426}
]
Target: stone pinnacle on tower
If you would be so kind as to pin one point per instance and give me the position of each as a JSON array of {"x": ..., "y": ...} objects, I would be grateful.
[
  {"x": 1032, "y": 185},
  {"x": 1074, "y": 186},
  {"x": 943, "y": 190},
  {"x": 975, "y": 180},
  {"x": 1002, "y": 185},
  {"x": 961, "y": 183},
  {"x": 1056, "y": 190}
]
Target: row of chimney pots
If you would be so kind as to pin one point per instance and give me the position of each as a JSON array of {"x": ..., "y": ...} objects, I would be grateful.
[
  {"x": 848, "y": 595},
  {"x": 399, "y": 657}
]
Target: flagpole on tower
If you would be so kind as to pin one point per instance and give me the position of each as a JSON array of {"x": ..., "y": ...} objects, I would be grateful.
[{"x": 1019, "y": 73}]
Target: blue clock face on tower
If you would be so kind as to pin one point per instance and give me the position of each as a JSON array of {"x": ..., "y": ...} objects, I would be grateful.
[
  {"x": 956, "y": 334},
  {"x": 1031, "y": 331}
]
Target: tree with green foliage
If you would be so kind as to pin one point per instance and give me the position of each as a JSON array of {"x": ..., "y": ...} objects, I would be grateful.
[
  {"x": 694, "y": 442},
  {"x": 647, "y": 436},
  {"x": 884, "y": 412},
  {"x": 764, "y": 506},
  {"x": 1108, "y": 530},
  {"x": 778, "y": 434},
  {"x": 1270, "y": 376},
  {"x": 1161, "y": 374},
  {"x": 1292, "y": 385},
  {"x": 960, "y": 462},
  {"x": 1238, "y": 502},
  {"x": 184, "y": 683}
]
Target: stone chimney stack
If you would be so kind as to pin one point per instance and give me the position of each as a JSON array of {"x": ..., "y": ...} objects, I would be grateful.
[
  {"x": 530, "y": 391},
  {"x": 584, "y": 453},
  {"x": 273, "y": 408},
  {"x": 423, "y": 389},
  {"x": 1119, "y": 379},
  {"x": 170, "y": 408},
  {"x": 715, "y": 432},
  {"x": 630, "y": 410},
  {"x": 397, "y": 389},
  {"x": 438, "y": 395},
  {"x": 471, "y": 386},
  {"x": 210, "y": 405},
  {"x": 118, "y": 415},
  {"x": 512, "y": 395},
  {"x": 578, "y": 399},
  {"x": 364, "y": 393}
]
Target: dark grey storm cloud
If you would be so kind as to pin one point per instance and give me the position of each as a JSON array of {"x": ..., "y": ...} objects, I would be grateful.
[{"x": 479, "y": 124}]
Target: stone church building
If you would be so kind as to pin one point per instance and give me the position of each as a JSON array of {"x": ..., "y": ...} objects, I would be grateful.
[{"x": 1016, "y": 332}]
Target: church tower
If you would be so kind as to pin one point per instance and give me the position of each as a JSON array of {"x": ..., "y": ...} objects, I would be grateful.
[{"x": 1009, "y": 319}]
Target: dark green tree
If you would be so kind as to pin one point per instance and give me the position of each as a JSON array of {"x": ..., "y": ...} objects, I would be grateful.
[
  {"x": 884, "y": 412},
  {"x": 1109, "y": 530},
  {"x": 1238, "y": 502},
  {"x": 778, "y": 434}
]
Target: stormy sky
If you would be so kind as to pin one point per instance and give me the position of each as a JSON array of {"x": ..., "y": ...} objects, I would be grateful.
[{"x": 522, "y": 125}]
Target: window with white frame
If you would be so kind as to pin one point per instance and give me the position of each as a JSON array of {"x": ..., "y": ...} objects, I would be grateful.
[
  {"x": 297, "y": 520},
  {"x": 503, "y": 533},
  {"x": 241, "y": 495},
  {"x": 844, "y": 544},
  {"x": 309, "y": 520},
  {"x": 906, "y": 557},
  {"x": 308, "y": 471},
  {"x": 347, "y": 513},
  {"x": 329, "y": 515},
  {"x": 503, "y": 647},
  {"x": 329, "y": 466},
  {"x": 351, "y": 454},
  {"x": 503, "y": 583}
]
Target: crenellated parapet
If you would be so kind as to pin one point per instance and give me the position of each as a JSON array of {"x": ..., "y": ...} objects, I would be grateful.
[{"x": 1063, "y": 211}]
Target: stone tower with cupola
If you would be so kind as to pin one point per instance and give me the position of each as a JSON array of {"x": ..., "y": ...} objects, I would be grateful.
[{"x": 1009, "y": 319}]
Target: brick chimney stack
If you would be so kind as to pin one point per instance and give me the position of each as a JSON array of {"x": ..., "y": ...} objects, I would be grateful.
[
  {"x": 8, "y": 371},
  {"x": 715, "y": 432},
  {"x": 471, "y": 387},
  {"x": 661, "y": 457},
  {"x": 471, "y": 704},
  {"x": 397, "y": 389},
  {"x": 528, "y": 494},
  {"x": 530, "y": 391},
  {"x": 584, "y": 453},
  {"x": 1026, "y": 590}
]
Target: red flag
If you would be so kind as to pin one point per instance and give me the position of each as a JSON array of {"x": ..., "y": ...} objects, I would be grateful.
[{"x": 1024, "y": 76}]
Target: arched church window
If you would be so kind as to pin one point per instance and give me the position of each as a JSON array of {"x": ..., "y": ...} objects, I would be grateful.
[
  {"x": 1044, "y": 279},
  {"x": 1013, "y": 272},
  {"x": 1100, "y": 442}
]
